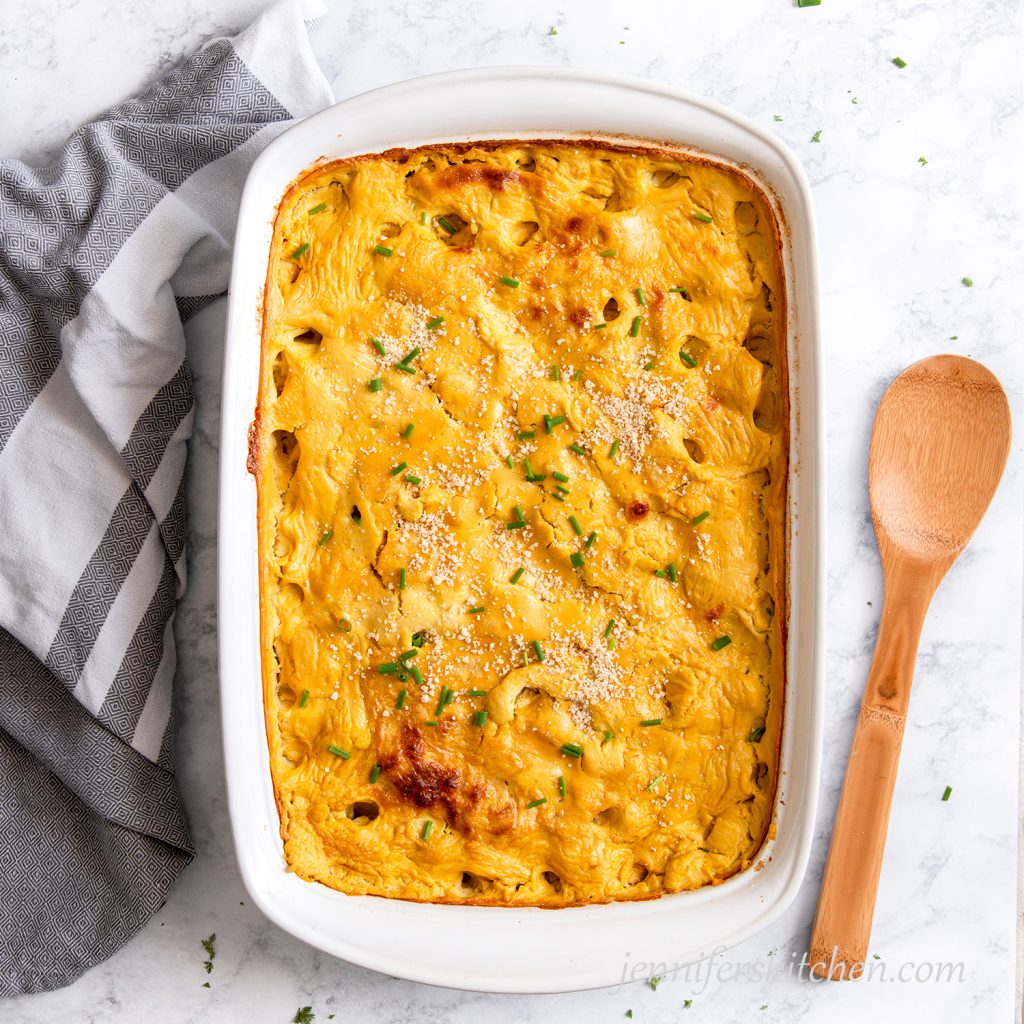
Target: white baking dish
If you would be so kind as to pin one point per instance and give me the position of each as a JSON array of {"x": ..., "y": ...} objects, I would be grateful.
[{"x": 490, "y": 948}]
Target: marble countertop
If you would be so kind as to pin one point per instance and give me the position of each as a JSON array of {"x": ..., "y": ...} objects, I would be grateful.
[{"x": 913, "y": 195}]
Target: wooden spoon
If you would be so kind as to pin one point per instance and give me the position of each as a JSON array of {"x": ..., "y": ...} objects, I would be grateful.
[{"x": 940, "y": 443}]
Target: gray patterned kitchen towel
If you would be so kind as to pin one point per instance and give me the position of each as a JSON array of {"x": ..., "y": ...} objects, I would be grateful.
[{"x": 101, "y": 256}]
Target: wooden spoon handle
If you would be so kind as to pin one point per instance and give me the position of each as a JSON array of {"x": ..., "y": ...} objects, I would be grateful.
[{"x": 846, "y": 905}]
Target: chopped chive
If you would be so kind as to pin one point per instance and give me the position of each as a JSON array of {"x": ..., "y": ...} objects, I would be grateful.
[
  {"x": 556, "y": 374},
  {"x": 661, "y": 574},
  {"x": 608, "y": 737},
  {"x": 609, "y": 627},
  {"x": 635, "y": 329},
  {"x": 406, "y": 655},
  {"x": 550, "y": 422},
  {"x": 723, "y": 641},
  {"x": 576, "y": 528},
  {"x": 574, "y": 447},
  {"x": 600, "y": 327},
  {"x": 344, "y": 625},
  {"x": 515, "y": 526},
  {"x": 447, "y": 225},
  {"x": 328, "y": 534},
  {"x": 388, "y": 668},
  {"x": 478, "y": 693},
  {"x": 755, "y": 734},
  {"x": 561, "y": 786},
  {"x": 578, "y": 374},
  {"x": 577, "y": 560},
  {"x": 400, "y": 703},
  {"x": 480, "y": 719},
  {"x": 649, "y": 366},
  {"x": 407, "y": 433},
  {"x": 613, "y": 451},
  {"x": 899, "y": 62},
  {"x": 417, "y": 639},
  {"x": 648, "y": 722},
  {"x": 376, "y": 384},
  {"x": 529, "y": 469},
  {"x": 319, "y": 208},
  {"x": 517, "y": 575},
  {"x": 557, "y": 496},
  {"x": 671, "y": 567},
  {"x": 304, "y": 699},
  {"x": 436, "y": 322},
  {"x": 442, "y": 700},
  {"x": 338, "y": 752},
  {"x": 477, "y": 610},
  {"x": 680, "y": 291},
  {"x": 374, "y": 774},
  {"x": 536, "y": 803},
  {"x": 410, "y": 356},
  {"x": 411, "y": 478},
  {"x": 403, "y": 677},
  {"x": 685, "y": 357},
  {"x": 572, "y": 750},
  {"x": 428, "y": 827},
  {"x": 538, "y": 650},
  {"x": 610, "y": 252},
  {"x": 805, "y": 3},
  {"x": 703, "y": 218},
  {"x": 379, "y": 346},
  {"x": 611, "y": 643},
  {"x": 655, "y": 783},
  {"x": 395, "y": 470},
  {"x": 560, "y": 476},
  {"x": 405, "y": 368},
  {"x": 510, "y": 282},
  {"x": 562, "y": 489},
  {"x": 518, "y": 509},
  {"x": 383, "y": 250},
  {"x": 640, "y": 297},
  {"x": 401, "y": 579},
  {"x": 525, "y": 435},
  {"x": 416, "y": 674},
  {"x": 423, "y": 216},
  {"x": 301, "y": 251},
  {"x": 947, "y": 792},
  {"x": 697, "y": 520},
  {"x": 431, "y": 723},
  {"x": 591, "y": 539}
]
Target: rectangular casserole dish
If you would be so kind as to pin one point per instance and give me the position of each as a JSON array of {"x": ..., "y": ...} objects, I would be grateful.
[{"x": 502, "y": 948}]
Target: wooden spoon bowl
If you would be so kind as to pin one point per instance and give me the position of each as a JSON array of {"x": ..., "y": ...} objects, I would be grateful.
[{"x": 939, "y": 446}]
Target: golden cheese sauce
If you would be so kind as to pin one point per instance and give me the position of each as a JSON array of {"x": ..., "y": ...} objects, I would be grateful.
[{"x": 521, "y": 458}]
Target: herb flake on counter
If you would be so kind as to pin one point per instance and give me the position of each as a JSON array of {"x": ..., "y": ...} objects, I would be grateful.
[
  {"x": 947, "y": 793},
  {"x": 899, "y": 62},
  {"x": 923, "y": 161},
  {"x": 655, "y": 982},
  {"x": 967, "y": 282},
  {"x": 816, "y": 137},
  {"x": 304, "y": 1015}
]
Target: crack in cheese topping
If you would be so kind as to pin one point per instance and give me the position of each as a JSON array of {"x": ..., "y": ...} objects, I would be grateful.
[{"x": 521, "y": 461}]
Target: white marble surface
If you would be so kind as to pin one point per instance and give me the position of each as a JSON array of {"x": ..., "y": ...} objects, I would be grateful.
[{"x": 896, "y": 238}]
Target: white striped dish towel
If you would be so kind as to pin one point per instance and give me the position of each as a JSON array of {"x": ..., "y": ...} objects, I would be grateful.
[{"x": 101, "y": 258}]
